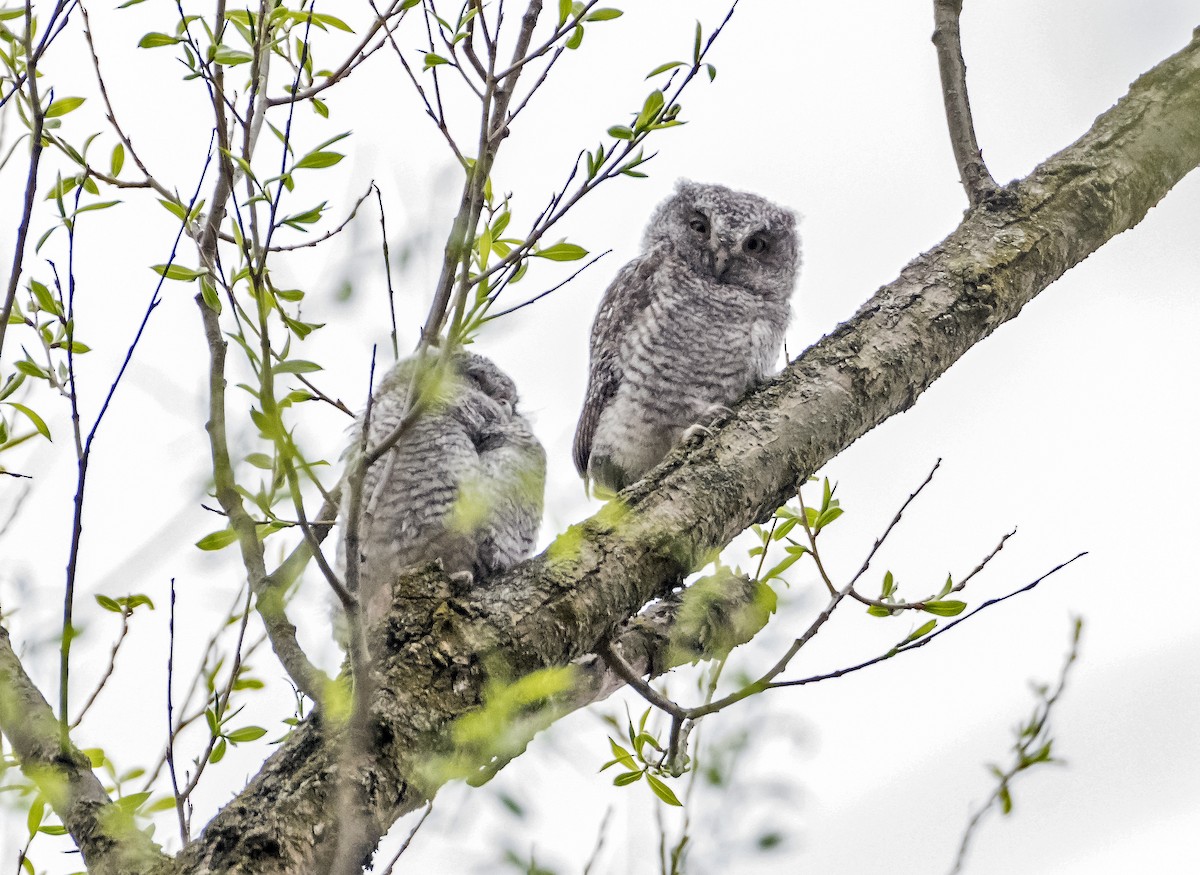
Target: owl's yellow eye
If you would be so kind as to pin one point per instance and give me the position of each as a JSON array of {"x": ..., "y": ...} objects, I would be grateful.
[
  {"x": 699, "y": 224},
  {"x": 757, "y": 245}
]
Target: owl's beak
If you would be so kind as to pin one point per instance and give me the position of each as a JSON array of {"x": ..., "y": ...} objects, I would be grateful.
[{"x": 720, "y": 260}]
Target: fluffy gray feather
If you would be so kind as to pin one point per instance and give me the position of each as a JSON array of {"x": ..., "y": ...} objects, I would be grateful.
[{"x": 686, "y": 327}]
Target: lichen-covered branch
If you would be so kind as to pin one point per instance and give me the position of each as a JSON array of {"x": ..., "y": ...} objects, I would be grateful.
[
  {"x": 441, "y": 647},
  {"x": 108, "y": 839}
]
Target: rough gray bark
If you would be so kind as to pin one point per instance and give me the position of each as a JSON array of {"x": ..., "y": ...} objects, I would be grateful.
[
  {"x": 429, "y": 658},
  {"x": 109, "y": 840},
  {"x": 556, "y": 607}
]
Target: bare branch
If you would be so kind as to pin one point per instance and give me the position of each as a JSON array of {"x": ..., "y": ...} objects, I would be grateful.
[
  {"x": 976, "y": 179},
  {"x": 35, "y": 157},
  {"x": 921, "y": 642}
]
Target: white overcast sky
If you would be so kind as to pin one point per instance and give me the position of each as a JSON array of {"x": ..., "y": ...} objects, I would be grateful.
[{"x": 1074, "y": 423}]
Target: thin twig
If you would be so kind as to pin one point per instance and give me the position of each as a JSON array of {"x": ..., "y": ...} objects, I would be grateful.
[
  {"x": 111, "y": 115},
  {"x": 627, "y": 673},
  {"x": 35, "y": 157},
  {"x": 317, "y": 241},
  {"x": 85, "y": 454},
  {"x": 387, "y": 269},
  {"x": 171, "y": 731},
  {"x": 1036, "y": 732},
  {"x": 112, "y": 664},
  {"x": 548, "y": 291},
  {"x": 972, "y": 170},
  {"x": 408, "y": 841},
  {"x": 222, "y": 700},
  {"x": 921, "y": 642}
]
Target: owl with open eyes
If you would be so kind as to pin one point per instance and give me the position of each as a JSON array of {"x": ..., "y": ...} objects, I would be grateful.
[{"x": 685, "y": 328}]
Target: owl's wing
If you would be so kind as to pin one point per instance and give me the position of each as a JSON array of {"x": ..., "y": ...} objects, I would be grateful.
[{"x": 620, "y": 307}]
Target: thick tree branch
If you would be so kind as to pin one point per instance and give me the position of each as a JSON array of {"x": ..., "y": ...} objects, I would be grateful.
[
  {"x": 556, "y": 607},
  {"x": 108, "y": 839}
]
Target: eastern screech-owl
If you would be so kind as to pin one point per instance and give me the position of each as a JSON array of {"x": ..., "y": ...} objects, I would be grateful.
[
  {"x": 462, "y": 485},
  {"x": 685, "y": 328}
]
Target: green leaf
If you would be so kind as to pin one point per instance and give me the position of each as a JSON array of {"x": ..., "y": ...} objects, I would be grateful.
[
  {"x": 626, "y": 778},
  {"x": 38, "y": 422},
  {"x": 603, "y": 15},
  {"x": 889, "y": 584},
  {"x": 231, "y": 57},
  {"x": 319, "y": 159},
  {"x": 946, "y": 608},
  {"x": 562, "y": 252},
  {"x": 109, "y": 604},
  {"x": 828, "y": 516},
  {"x": 217, "y": 540},
  {"x": 12, "y": 384},
  {"x": 654, "y": 103},
  {"x": 63, "y": 106},
  {"x": 575, "y": 40},
  {"x": 620, "y": 132},
  {"x": 208, "y": 292},
  {"x": 103, "y": 205},
  {"x": 662, "y": 68},
  {"x": 154, "y": 40},
  {"x": 921, "y": 632},
  {"x": 53, "y": 830},
  {"x": 179, "y": 211},
  {"x": 132, "y": 802},
  {"x": 307, "y": 217},
  {"x": 136, "y": 601},
  {"x": 663, "y": 792},
  {"x": 623, "y": 756},
  {"x": 564, "y": 11},
  {"x": 712, "y": 72},
  {"x": 434, "y": 60},
  {"x": 332, "y": 22},
  {"x": 37, "y": 812},
  {"x": 218, "y": 752},
  {"x": 176, "y": 272},
  {"x": 295, "y": 366},
  {"x": 246, "y": 733},
  {"x": 32, "y": 370},
  {"x": 261, "y": 460},
  {"x": 878, "y": 611},
  {"x": 118, "y": 160},
  {"x": 164, "y": 803}
]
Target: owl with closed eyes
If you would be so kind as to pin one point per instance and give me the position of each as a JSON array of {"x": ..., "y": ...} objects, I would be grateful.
[
  {"x": 686, "y": 327},
  {"x": 463, "y": 484}
]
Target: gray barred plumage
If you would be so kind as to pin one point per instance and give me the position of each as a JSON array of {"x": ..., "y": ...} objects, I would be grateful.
[
  {"x": 685, "y": 328},
  {"x": 463, "y": 484}
]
